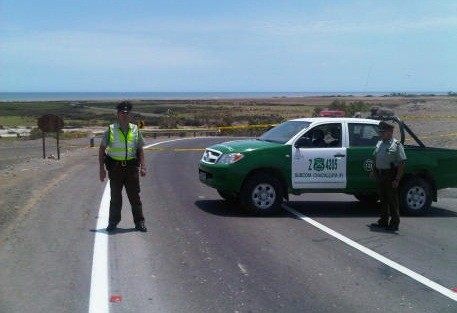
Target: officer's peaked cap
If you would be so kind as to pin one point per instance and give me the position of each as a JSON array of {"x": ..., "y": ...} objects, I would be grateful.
[
  {"x": 124, "y": 106},
  {"x": 386, "y": 125}
]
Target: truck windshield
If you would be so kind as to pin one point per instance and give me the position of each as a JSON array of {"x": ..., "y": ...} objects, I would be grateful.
[{"x": 283, "y": 132}]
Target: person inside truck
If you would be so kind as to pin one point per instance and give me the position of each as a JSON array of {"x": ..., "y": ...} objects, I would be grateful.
[
  {"x": 333, "y": 137},
  {"x": 318, "y": 138}
]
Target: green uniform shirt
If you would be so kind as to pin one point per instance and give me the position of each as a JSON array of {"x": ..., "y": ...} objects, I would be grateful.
[{"x": 390, "y": 151}]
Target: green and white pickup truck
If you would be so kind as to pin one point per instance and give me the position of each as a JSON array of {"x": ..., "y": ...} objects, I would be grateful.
[{"x": 321, "y": 155}]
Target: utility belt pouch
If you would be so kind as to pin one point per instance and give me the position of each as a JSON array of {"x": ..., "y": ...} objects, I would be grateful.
[{"x": 109, "y": 162}]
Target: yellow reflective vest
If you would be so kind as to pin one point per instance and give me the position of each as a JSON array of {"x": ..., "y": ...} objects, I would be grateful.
[{"x": 122, "y": 147}]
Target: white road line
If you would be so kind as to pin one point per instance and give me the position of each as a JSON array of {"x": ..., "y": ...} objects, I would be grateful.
[
  {"x": 423, "y": 280},
  {"x": 98, "y": 302},
  {"x": 172, "y": 140}
]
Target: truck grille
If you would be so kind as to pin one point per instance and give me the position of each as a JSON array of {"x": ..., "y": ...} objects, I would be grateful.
[{"x": 211, "y": 156}]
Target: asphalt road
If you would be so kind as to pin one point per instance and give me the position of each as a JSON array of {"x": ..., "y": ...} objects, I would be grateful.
[{"x": 201, "y": 254}]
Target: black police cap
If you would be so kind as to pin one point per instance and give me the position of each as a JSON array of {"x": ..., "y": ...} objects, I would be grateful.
[
  {"x": 124, "y": 106},
  {"x": 383, "y": 126}
]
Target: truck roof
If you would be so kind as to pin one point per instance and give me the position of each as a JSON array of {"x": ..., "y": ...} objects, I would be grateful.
[{"x": 337, "y": 119}]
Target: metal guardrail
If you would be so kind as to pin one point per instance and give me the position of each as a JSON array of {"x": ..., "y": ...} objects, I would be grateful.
[{"x": 180, "y": 132}]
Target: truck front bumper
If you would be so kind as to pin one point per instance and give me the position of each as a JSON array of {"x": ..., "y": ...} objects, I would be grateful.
[{"x": 220, "y": 177}]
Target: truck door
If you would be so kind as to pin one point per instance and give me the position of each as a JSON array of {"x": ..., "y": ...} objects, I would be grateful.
[
  {"x": 319, "y": 158},
  {"x": 362, "y": 140}
]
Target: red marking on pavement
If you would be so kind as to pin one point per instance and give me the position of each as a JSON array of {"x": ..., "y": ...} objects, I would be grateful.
[
  {"x": 454, "y": 289},
  {"x": 115, "y": 299}
]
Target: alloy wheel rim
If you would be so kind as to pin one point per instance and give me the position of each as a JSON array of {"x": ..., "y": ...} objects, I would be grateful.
[
  {"x": 416, "y": 198},
  {"x": 263, "y": 196}
]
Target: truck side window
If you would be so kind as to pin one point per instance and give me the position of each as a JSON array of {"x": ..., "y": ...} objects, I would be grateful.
[
  {"x": 363, "y": 135},
  {"x": 324, "y": 136}
]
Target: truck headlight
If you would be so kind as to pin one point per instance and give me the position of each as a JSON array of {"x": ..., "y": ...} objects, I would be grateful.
[{"x": 230, "y": 158}]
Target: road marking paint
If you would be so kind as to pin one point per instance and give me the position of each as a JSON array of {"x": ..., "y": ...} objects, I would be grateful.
[
  {"x": 98, "y": 302},
  {"x": 243, "y": 269},
  {"x": 115, "y": 299},
  {"x": 172, "y": 140},
  {"x": 421, "y": 279},
  {"x": 149, "y": 147}
]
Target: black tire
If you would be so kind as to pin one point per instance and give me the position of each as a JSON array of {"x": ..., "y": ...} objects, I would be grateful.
[
  {"x": 231, "y": 197},
  {"x": 367, "y": 198},
  {"x": 415, "y": 196},
  {"x": 262, "y": 194}
]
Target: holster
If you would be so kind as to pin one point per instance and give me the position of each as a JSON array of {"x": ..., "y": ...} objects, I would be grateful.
[{"x": 108, "y": 162}]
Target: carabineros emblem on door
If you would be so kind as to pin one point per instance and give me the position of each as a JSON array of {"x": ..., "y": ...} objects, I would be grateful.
[
  {"x": 368, "y": 165},
  {"x": 319, "y": 164}
]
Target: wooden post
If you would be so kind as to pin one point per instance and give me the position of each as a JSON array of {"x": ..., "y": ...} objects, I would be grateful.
[
  {"x": 58, "y": 147},
  {"x": 44, "y": 145}
]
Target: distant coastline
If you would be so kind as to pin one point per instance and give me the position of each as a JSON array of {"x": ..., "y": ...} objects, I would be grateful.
[{"x": 114, "y": 96}]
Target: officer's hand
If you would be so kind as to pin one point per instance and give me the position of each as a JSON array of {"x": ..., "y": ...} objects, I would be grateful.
[
  {"x": 102, "y": 174},
  {"x": 143, "y": 171}
]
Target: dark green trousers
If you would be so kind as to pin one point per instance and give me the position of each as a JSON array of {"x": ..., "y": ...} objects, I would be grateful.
[
  {"x": 128, "y": 177},
  {"x": 389, "y": 199}
]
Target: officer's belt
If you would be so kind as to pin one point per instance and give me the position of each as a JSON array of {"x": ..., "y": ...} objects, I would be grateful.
[{"x": 123, "y": 163}]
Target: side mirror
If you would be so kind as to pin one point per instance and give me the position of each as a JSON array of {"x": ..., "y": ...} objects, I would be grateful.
[{"x": 303, "y": 142}]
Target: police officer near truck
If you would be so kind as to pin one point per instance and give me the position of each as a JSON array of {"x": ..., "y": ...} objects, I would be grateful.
[
  {"x": 390, "y": 160},
  {"x": 121, "y": 151}
]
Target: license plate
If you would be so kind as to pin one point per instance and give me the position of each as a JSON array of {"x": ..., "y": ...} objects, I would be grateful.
[{"x": 202, "y": 175}]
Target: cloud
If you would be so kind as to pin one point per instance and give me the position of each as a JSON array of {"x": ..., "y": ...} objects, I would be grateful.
[
  {"x": 342, "y": 27},
  {"x": 99, "y": 50}
]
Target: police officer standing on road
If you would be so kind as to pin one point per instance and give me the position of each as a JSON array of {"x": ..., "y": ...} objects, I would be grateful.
[
  {"x": 388, "y": 168},
  {"x": 121, "y": 151}
]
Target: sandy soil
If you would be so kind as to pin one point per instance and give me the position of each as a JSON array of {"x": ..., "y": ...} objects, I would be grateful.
[{"x": 24, "y": 173}]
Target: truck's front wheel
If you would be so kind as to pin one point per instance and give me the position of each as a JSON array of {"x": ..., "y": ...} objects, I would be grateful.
[
  {"x": 262, "y": 194},
  {"x": 415, "y": 196}
]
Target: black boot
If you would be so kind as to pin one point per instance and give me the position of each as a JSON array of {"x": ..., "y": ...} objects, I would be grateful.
[
  {"x": 140, "y": 227},
  {"x": 111, "y": 228}
]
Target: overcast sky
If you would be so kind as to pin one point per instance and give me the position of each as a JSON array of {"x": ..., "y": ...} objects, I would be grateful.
[{"x": 233, "y": 45}]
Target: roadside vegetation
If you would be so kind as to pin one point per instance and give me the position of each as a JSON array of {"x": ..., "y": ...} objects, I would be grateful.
[
  {"x": 350, "y": 109},
  {"x": 182, "y": 114}
]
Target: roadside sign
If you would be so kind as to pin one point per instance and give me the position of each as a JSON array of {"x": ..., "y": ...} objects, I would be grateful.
[{"x": 49, "y": 123}]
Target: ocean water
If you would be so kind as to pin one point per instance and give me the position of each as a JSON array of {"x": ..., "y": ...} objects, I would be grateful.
[{"x": 86, "y": 96}]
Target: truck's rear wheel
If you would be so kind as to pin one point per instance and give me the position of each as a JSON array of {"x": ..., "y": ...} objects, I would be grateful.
[
  {"x": 262, "y": 194},
  {"x": 415, "y": 196}
]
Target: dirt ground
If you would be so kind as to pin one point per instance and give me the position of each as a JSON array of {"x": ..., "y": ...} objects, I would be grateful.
[{"x": 25, "y": 175}]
